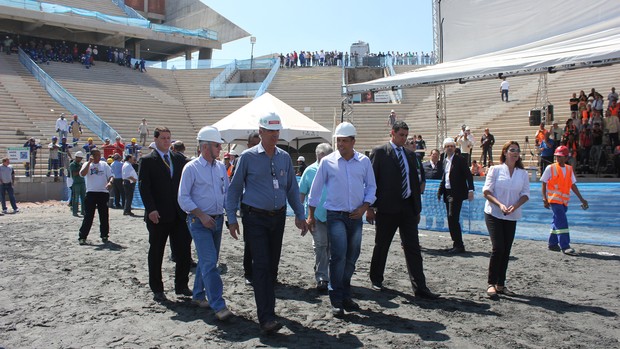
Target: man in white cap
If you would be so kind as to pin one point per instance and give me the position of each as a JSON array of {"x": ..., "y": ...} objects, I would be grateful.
[
  {"x": 456, "y": 185},
  {"x": 349, "y": 180},
  {"x": 202, "y": 193},
  {"x": 391, "y": 118},
  {"x": 301, "y": 162},
  {"x": 263, "y": 182},
  {"x": 62, "y": 126},
  {"x": 78, "y": 188}
]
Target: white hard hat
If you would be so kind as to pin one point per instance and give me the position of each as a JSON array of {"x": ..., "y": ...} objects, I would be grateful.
[
  {"x": 301, "y": 158},
  {"x": 467, "y": 128},
  {"x": 209, "y": 134},
  {"x": 270, "y": 122},
  {"x": 233, "y": 152},
  {"x": 79, "y": 154},
  {"x": 448, "y": 141},
  {"x": 345, "y": 129}
]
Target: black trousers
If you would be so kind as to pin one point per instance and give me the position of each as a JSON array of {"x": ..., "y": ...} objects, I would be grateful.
[
  {"x": 502, "y": 233},
  {"x": 95, "y": 201},
  {"x": 247, "y": 258},
  {"x": 119, "y": 193},
  {"x": 453, "y": 208},
  {"x": 129, "y": 189},
  {"x": 407, "y": 224},
  {"x": 180, "y": 243}
]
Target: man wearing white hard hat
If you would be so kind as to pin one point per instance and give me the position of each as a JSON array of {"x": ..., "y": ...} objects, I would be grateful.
[
  {"x": 349, "y": 180},
  {"x": 202, "y": 192},
  {"x": 78, "y": 188},
  {"x": 263, "y": 182},
  {"x": 456, "y": 185},
  {"x": 301, "y": 162}
]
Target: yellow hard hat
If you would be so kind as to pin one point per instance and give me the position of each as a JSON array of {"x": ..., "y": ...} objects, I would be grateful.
[
  {"x": 90, "y": 138},
  {"x": 110, "y": 161},
  {"x": 134, "y": 140}
]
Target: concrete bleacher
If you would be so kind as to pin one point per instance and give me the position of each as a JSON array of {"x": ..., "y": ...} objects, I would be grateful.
[{"x": 103, "y": 6}]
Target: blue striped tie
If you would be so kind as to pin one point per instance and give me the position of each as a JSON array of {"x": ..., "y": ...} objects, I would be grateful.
[{"x": 403, "y": 172}]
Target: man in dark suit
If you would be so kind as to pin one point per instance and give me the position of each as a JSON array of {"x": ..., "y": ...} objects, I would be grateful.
[
  {"x": 433, "y": 168},
  {"x": 456, "y": 185},
  {"x": 398, "y": 206},
  {"x": 159, "y": 177}
]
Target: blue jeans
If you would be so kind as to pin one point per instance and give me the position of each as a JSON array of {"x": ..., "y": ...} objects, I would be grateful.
[
  {"x": 8, "y": 188},
  {"x": 207, "y": 241},
  {"x": 345, "y": 240}
]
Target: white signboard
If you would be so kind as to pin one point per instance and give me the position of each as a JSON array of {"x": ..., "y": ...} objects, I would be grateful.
[
  {"x": 382, "y": 97},
  {"x": 19, "y": 154}
]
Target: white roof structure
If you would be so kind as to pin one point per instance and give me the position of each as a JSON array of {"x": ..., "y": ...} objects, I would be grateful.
[
  {"x": 236, "y": 127},
  {"x": 596, "y": 42}
]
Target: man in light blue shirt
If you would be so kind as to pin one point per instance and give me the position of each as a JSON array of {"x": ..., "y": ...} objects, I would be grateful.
[
  {"x": 268, "y": 177},
  {"x": 202, "y": 192},
  {"x": 350, "y": 183},
  {"x": 320, "y": 242},
  {"x": 119, "y": 191}
]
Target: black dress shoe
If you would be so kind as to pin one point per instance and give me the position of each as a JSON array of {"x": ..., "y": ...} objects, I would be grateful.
[
  {"x": 159, "y": 297},
  {"x": 184, "y": 292},
  {"x": 350, "y": 305},
  {"x": 456, "y": 250},
  {"x": 270, "y": 327},
  {"x": 337, "y": 312},
  {"x": 426, "y": 294},
  {"x": 376, "y": 287},
  {"x": 321, "y": 286}
]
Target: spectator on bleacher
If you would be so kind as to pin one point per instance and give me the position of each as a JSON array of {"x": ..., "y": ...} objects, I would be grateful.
[
  {"x": 119, "y": 146},
  {"x": 64, "y": 154},
  {"x": 596, "y": 117},
  {"x": 585, "y": 146},
  {"x": 574, "y": 106},
  {"x": 570, "y": 139},
  {"x": 597, "y": 104},
  {"x": 391, "y": 118},
  {"x": 597, "y": 144},
  {"x": 593, "y": 93},
  {"x": 117, "y": 183},
  {"x": 7, "y": 181},
  {"x": 486, "y": 143},
  {"x": 476, "y": 169},
  {"x": 78, "y": 188},
  {"x": 503, "y": 89},
  {"x": 420, "y": 148},
  {"x": 8, "y": 43},
  {"x": 108, "y": 149},
  {"x": 466, "y": 142},
  {"x": 75, "y": 127},
  {"x": 62, "y": 126},
  {"x": 53, "y": 162},
  {"x": 88, "y": 147},
  {"x": 555, "y": 132},
  {"x": 612, "y": 97},
  {"x": 614, "y": 108},
  {"x": 130, "y": 178},
  {"x": 32, "y": 146},
  {"x": 143, "y": 130},
  {"x": 547, "y": 148},
  {"x": 612, "y": 126},
  {"x": 540, "y": 134}
]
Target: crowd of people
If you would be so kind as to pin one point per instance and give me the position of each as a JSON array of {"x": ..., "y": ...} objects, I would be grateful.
[
  {"x": 338, "y": 58},
  {"x": 590, "y": 134}
]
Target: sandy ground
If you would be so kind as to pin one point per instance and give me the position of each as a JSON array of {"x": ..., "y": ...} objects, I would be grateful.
[{"x": 57, "y": 294}]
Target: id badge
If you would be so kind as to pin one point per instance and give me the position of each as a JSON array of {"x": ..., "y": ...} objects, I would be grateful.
[{"x": 276, "y": 184}]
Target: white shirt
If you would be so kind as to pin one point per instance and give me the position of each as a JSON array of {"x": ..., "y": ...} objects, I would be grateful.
[
  {"x": 504, "y": 85},
  {"x": 129, "y": 171},
  {"x": 447, "y": 165},
  {"x": 62, "y": 124},
  {"x": 508, "y": 190},
  {"x": 97, "y": 176}
]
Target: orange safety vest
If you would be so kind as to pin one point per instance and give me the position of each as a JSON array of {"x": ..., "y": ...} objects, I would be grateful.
[{"x": 558, "y": 186}]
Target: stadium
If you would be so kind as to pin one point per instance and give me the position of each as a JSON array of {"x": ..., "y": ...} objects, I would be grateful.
[{"x": 167, "y": 76}]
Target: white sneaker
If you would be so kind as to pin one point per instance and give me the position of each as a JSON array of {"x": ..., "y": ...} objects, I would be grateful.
[
  {"x": 16, "y": 210},
  {"x": 203, "y": 303}
]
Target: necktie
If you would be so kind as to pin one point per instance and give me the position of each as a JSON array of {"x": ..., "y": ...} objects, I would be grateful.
[
  {"x": 403, "y": 173},
  {"x": 167, "y": 162}
]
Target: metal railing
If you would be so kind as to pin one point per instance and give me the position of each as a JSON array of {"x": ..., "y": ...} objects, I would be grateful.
[{"x": 272, "y": 73}]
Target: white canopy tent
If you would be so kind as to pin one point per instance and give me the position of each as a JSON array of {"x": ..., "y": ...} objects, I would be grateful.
[
  {"x": 296, "y": 127},
  {"x": 598, "y": 44}
]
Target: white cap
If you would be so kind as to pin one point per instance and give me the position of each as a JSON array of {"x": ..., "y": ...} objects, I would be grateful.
[
  {"x": 301, "y": 158},
  {"x": 467, "y": 128},
  {"x": 448, "y": 141},
  {"x": 392, "y": 111},
  {"x": 209, "y": 134},
  {"x": 79, "y": 154},
  {"x": 345, "y": 129},
  {"x": 270, "y": 122}
]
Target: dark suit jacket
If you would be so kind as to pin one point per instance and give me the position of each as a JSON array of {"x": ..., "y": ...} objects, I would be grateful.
[
  {"x": 157, "y": 189},
  {"x": 388, "y": 178},
  {"x": 461, "y": 180},
  {"x": 431, "y": 173}
]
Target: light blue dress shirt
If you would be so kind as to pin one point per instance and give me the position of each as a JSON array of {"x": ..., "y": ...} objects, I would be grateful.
[
  {"x": 255, "y": 173},
  {"x": 204, "y": 186},
  {"x": 349, "y": 184},
  {"x": 117, "y": 169}
]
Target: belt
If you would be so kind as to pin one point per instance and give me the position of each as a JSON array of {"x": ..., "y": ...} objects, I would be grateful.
[
  {"x": 263, "y": 212},
  {"x": 215, "y": 216},
  {"x": 342, "y": 213}
]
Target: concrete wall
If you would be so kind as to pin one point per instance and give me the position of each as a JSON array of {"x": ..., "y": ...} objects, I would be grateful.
[
  {"x": 363, "y": 74},
  {"x": 38, "y": 191}
]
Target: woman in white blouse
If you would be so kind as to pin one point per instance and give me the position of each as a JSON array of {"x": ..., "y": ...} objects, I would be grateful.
[{"x": 506, "y": 189}]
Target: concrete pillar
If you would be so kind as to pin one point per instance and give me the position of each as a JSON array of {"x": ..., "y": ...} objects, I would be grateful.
[
  {"x": 136, "y": 50},
  {"x": 205, "y": 53}
]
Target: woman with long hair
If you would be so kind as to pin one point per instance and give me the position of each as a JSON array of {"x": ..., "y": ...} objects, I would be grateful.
[{"x": 506, "y": 189}]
